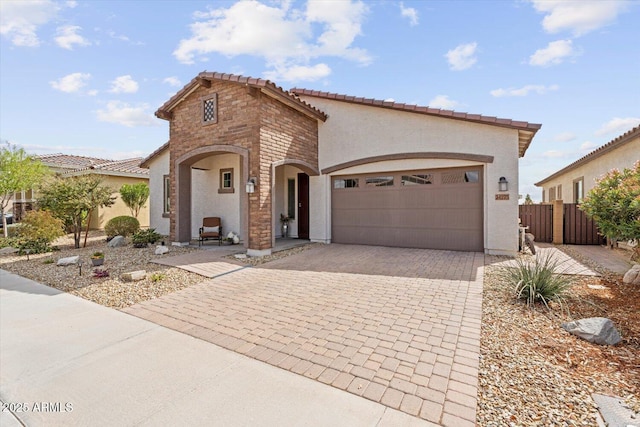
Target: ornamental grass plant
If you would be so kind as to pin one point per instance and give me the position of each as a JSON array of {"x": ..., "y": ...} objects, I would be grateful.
[{"x": 537, "y": 280}]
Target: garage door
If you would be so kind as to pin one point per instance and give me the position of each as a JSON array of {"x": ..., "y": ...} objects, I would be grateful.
[{"x": 435, "y": 209}]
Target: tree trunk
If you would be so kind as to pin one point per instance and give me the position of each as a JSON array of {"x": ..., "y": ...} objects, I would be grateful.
[
  {"x": 87, "y": 232},
  {"x": 4, "y": 224},
  {"x": 77, "y": 233}
]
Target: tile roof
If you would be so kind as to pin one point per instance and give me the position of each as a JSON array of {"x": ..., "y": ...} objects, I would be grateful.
[
  {"x": 266, "y": 86},
  {"x": 78, "y": 164},
  {"x": 609, "y": 146},
  {"x": 526, "y": 130}
]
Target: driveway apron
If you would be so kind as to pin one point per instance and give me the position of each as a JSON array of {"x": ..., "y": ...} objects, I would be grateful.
[{"x": 397, "y": 326}]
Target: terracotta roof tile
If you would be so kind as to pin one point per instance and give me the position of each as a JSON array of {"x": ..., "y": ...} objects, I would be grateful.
[
  {"x": 255, "y": 82},
  {"x": 76, "y": 164},
  {"x": 611, "y": 145}
]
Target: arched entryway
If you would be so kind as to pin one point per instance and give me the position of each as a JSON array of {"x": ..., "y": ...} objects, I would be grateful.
[{"x": 210, "y": 181}]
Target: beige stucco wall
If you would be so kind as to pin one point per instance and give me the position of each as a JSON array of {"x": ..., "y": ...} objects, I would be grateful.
[
  {"x": 355, "y": 131},
  {"x": 158, "y": 168},
  {"x": 205, "y": 199},
  {"x": 103, "y": 215},
  {"x": 622, "y": 157}
]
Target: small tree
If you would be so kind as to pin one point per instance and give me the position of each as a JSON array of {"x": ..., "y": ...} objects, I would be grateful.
[
  {"x": 73, "y": 199},
  {"x": 134, "y": 196},
  {"x": 614, "y": 204},
  {"x": 527, "y": 200},
  {"x": 18, "y": 171}
]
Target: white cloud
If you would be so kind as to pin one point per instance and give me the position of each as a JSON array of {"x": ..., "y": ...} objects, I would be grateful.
[
  {"x": 564, "y": 137},
  {"x": 618, "y": 125},
  {"x": 67, "y": 36},
  {"x": 127, "y": 115},
  {"x": 524, "y": 91},
  {"x": 579, "y": 17},
  {"x": 554, "y": 154},
  {"x": 553, "y": 54},
  {"x": 587, "y": 146},
  {"x": 443, "y": 101},
  {"x": 172, "y": 81},
  {"x": 299, "y": 73},
  {"x": 124, "y": 84},
  {"x": 71, "y": 4},
  {"x": 19, "y": 20},
  {"x": 283, "y": 37},
  {"x": 71, "y": 83},
  {"x": 462, "y": 57},
  {"x": 409, "y": 12}
]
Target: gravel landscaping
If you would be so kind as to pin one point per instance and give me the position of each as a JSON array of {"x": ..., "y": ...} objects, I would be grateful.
[{"x": 532, "y": 372}]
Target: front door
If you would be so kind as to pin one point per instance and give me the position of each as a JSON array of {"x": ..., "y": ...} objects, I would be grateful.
[{"x": 303, "y": 206}]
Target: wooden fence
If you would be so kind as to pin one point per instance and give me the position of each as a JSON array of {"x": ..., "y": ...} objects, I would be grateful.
[{"x": 577, "y": 228}]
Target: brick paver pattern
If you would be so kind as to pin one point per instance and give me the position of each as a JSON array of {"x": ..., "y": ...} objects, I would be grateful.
[{"x": 397, "y": 326}]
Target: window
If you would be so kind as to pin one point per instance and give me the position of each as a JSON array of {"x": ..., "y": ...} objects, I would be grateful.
[
  {"x": 559, "y": 192},
  {"x": 379, "y": 181},
  {"x": 552, "y": 194},
  {"x": 459, "y": 177},
  {"x": 209, "y": 109},
  {"x": 417, "y": 179},
  {"x": 578, "y": 190},
  {"x": 543, "y": 195},
  {"x": 226, "y": 181},
  {"x": 291, "y": 198},
  {"x": 346, "y": 183},
  {"x": 166, "y": 196}
]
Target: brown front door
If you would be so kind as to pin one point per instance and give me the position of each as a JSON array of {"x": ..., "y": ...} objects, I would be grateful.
[{"x": 303, "y": 206}]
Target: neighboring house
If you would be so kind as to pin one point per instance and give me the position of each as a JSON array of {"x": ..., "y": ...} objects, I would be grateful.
[
  {"x": 572, "y": 183},
  {"x": 115, "y": 173},
  {"x": 346, "y": 169}
]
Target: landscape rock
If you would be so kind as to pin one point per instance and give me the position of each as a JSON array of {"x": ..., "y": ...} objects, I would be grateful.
[
  {"x": 134, "y": 276},
  {"x": 117, "y": 242},
  {"x": 632, "y": 277},
  {"x": 161, "y": 250},
  {"x": 8, "y": 250},
  {"x": 69, "y": 260},
  {"x": 597, "y": 330}
]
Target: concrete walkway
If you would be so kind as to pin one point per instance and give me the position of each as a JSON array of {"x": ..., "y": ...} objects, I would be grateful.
[
  {"x": 614, "y": 260},
  {"x": 67, "y": 361}
]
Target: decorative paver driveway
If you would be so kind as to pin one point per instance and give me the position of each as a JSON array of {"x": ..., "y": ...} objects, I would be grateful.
[{"x": 396, "y": 326}]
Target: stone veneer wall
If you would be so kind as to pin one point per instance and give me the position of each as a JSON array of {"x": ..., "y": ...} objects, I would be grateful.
[{"x": 246, "y": 118}]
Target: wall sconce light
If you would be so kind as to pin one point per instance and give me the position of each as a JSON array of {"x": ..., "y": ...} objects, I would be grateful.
[
  {"x": 503, "y": 184},
  {"x": 251, "y": 185}
]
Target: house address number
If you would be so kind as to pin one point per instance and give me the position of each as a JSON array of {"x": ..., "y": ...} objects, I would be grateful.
[{"x": 502, "y": 197}]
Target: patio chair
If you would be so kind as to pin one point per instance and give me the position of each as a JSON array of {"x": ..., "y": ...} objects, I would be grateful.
[{"x": 211, "y": 230}]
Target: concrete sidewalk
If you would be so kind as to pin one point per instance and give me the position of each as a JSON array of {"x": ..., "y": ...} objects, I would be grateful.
[{"x": 67, "y": 361}]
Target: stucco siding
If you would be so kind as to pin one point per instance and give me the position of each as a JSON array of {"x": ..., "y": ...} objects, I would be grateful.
[
  {"x": 103, "y": 215},
  {"x": 207, "y": 201},
  {"x": 158, "y": 168},
  {"x": 622, "y": 157},
  {"x": 354, "y": 132}
]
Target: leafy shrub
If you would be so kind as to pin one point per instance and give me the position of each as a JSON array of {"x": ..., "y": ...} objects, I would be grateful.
[
  {"x": 42, "y": 226},
  {"x": 48, "y": 261},
  {"x": 156, "y": 277},
  {"x": 143, "y": 237},
  {"x": 536, "y": 281},
  {"x": 36, "y": 246},
  {"x": 100, "y": 273},
  {"x": 122, "y": 226}
]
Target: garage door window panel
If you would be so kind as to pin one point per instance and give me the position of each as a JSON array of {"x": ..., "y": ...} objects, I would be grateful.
[
  {"x": 379, "y": 181},
  {"x": 340, "y": 183},
  {"x": 417, "y": 179}
]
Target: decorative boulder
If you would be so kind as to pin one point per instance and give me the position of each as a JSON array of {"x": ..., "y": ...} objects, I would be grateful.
[
  {"x": 632, "y": 277},
  {"x": 597, "y": 330},
  {"x": 134, "y": 276},
  {"x": 161, "y": 250},
  {"x": 69, "y": 260},
  {"x": 117, "y": 242},
  {"x": 8, "y": 250}
]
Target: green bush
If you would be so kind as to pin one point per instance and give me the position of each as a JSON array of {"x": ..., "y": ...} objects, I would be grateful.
[
  {"x": 536, "y": 281},
  {"x": 147, "y": 236},
  {"x": 41, "y": 226},
  {"x": 122, "y": 226},
  {"x": 35, "y": 246}
]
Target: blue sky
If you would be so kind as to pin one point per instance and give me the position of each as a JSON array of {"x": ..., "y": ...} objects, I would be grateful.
[{"x": 85, "y": 77}]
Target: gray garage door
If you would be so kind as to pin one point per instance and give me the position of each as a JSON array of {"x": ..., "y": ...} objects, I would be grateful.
[{"x": 435, "y": 209}]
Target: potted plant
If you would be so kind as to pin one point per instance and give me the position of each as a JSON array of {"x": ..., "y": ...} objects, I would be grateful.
[
  {"x": 97, "y": 258},
  {"x": 284, "y": 221}
]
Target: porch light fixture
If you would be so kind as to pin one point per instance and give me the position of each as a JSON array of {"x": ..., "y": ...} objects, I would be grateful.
[
  {"x": 503, "y": 184},
  {"x": 251, "y": 185}
]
